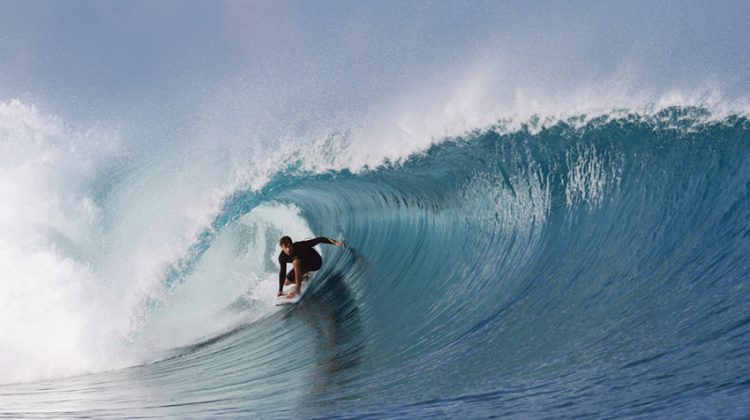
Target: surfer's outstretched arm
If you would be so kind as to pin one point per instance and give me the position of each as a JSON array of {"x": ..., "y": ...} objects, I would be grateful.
[{"x": 323, "y": 240}]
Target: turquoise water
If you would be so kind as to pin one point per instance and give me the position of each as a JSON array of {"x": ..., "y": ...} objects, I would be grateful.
[{"x": 589, "y": 267}]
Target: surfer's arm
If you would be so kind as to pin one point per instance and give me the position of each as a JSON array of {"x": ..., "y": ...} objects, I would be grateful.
[
  {"x": 324, "y": 240},
  {"x": 282, "y": 273}
]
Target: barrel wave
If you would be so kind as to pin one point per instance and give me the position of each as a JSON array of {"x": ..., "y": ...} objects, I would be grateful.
[{"x": 592, "y": 266}]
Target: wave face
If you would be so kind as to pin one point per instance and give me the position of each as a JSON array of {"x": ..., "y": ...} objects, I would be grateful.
[{"x": 596, "y": 267}]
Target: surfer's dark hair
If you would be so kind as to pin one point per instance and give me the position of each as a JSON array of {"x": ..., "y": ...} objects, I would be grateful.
[{"x": 285, "y": 240}]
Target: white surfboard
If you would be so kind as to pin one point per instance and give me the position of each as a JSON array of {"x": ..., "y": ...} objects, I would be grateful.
[{"x": 307, "y": 278}]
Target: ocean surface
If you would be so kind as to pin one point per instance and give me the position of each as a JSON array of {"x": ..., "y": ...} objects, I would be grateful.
[{"x": 590, "y": 266}]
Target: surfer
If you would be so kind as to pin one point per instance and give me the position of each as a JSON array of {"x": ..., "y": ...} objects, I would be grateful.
[{"x": 303, "y": 257}]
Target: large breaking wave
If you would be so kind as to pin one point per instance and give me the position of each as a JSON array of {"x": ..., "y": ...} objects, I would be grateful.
[{"x": 596, "y": 265}]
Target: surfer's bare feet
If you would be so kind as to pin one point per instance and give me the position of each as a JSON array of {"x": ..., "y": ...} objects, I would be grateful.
[{"x": 291, "y": 294}]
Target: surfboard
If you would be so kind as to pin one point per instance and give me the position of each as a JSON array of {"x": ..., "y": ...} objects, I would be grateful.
[{"x": 307, "y": 278}]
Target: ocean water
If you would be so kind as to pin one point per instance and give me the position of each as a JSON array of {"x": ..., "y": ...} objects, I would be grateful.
[{"x": 588, "y": 266}]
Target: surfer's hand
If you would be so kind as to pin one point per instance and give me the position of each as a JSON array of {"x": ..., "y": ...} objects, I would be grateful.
[{"x": 339, "y": 243}]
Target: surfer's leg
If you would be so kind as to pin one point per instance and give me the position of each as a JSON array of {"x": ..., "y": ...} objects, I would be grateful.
[
  {"x": 298, "y": 272},
  {"x": 313, "y": 263},
  {"x": 289, "y": 277}
]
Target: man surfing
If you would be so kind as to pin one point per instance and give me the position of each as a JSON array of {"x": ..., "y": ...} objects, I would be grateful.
[{"x": 304, "y": 258}]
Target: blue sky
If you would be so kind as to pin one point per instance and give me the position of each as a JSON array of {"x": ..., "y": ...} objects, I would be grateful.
[{"x": 103, "y": 60}]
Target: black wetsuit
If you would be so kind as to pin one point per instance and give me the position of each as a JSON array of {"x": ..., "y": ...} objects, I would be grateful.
[{"x": 303, "y": 250}]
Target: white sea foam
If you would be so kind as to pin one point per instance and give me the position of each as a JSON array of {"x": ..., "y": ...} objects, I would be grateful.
[
  {"x": 480, "y": 99},
  {"x": 51, "y": 322},
  {"x": 85, "y": 254}
]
